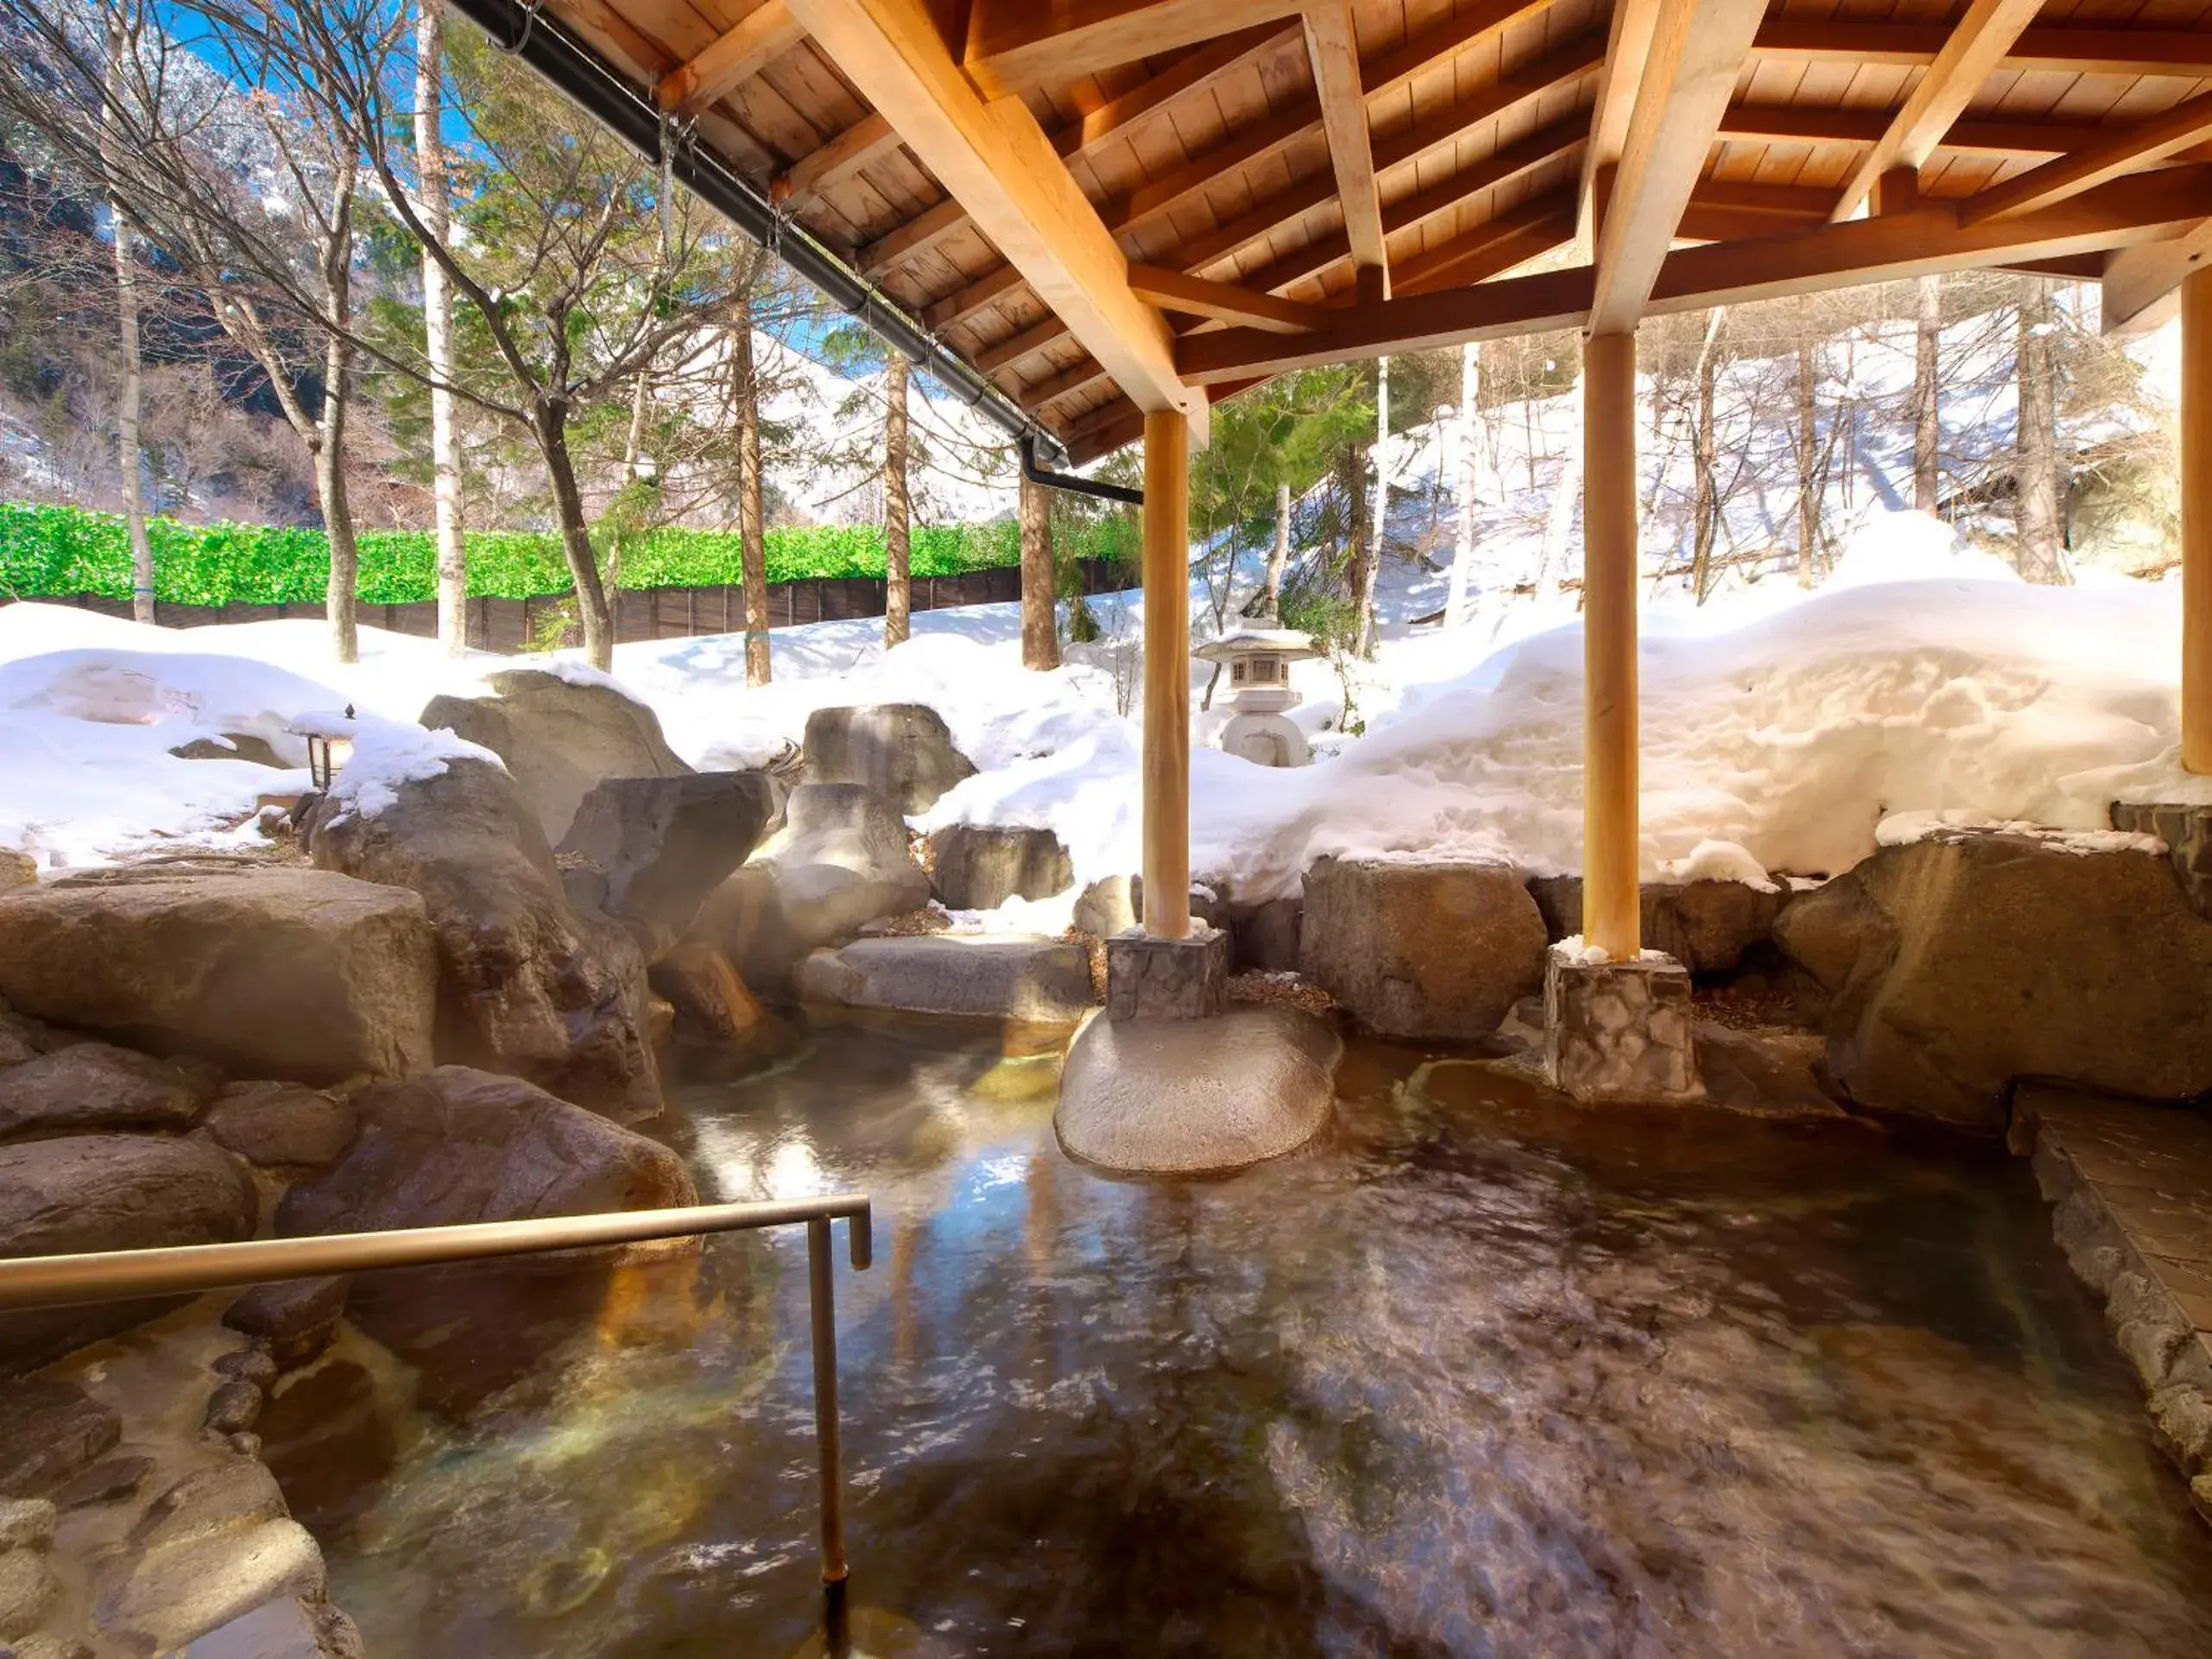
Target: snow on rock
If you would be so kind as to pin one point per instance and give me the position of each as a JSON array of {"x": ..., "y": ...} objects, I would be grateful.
[
  {"x": 385, "y": 755},
  {"x": 1718, "y": 861}
]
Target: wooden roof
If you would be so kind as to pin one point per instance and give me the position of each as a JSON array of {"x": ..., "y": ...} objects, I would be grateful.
[{"x": 1109, "y": 205}]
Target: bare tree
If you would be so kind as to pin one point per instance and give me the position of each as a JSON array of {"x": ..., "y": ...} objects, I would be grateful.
[
  {"x": 1278, "y": 555},
  {"x": 435, "y": 190},
  {"x": 1927, "y": 430},
  {"x": 2035, "y": 466},
  {"x": 897, "y": 511},
  {"x": 752, "y": 534},
  {"x": 123, "y": 25}
]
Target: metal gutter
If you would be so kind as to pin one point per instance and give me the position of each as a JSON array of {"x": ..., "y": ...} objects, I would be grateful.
[{"x": 527, "y": 33}]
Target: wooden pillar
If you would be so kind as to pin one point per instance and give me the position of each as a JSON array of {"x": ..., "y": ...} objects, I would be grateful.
[
  {"x": 1610, "y": 907},
  {"x": 1166, "y": 675},
  {"x": 2197, "y": 521}
]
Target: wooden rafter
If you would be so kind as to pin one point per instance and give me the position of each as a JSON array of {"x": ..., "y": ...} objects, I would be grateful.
[
  {"x": 2142, "y": 286},
  {"x": 867, "y": 140},
  {"x": 1334, "y": 50},
  {"x": 1195, "y": 296},
  {"x": 2186, "y": 53},
  {"x": 1968, "y": 56},
  {"x": 995, "y": 160},
  {"x": 764, "y": 34},
  {"x": 2152, "y": 208},
  {"x": 1193, "y": 71},
  {"x": 1627, "y": 49},
  {"x": 2132, "y": 148},
  {"x": 916, "y": 236},
  {"x": 1791, "y": 123},
  {"x": 1015, "y": 45},
  {"x": 1491, "y": 248},
  {"x": 1698, "y": 51}
]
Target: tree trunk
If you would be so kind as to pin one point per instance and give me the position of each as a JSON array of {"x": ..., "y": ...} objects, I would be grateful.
[
  {"x": 1706, "y": 513},
  {"x": 438, "y": 328},
  {"x": 1927, "y": 432},
  {"x": 127, "y": 447},
  {"x": 752, "y": 535},
  {"x": 1379, "y": 519},
  {"x": 1808, "y": 444},
  {"x": 340, "y": 598},
  {"x": 2035, "y": 468},
  {"x": 1351, "y": 483},
  {"x": 1041, "y": 637},
  {"x": 1463, "y": 557},
  {"x": 1278, "y": 557},
  {"x": 550, "y": 427},
  {"x": 897, "y": 519}
]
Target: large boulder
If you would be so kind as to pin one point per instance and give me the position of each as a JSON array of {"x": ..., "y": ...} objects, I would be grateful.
[
  {"x": 93, "y": 1086},
  {"x": 1959, "y": 962},
  {"x": 526, "y": 986},
  {"x": 648, "y": 850},
  {"x": 80, "y": 1193},
  {"x": 840, "y": 862},
  {"x": 1430, "y": 949},
  {"x": 559, "y": 736},
  {"x": 980, "y": 867},
  {"x": 271, "y": 972},
  {"x": 460, "y": 1145},
  {"x": 1707, "y": 926},
  {"x": 1006, "y": 976},
  {"x": 902, "y": 751}
]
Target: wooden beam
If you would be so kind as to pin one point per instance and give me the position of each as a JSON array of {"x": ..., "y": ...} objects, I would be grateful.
[
  {"x": 1334, "y": 50},
  {"x": 2197, "y": 521},
  {"x": 995, "y": 160},
  {"x": 2183, "y": 53},
  {"x": 2126, "y": 151},
  {"x": 1014, "y": 46},
  {"x": 1970, "y": 55},
  {"x": 867, "y": 140},
  {"x": 1195, "y": 296},
  {"x": 1628, "y": 50},
  {"x": 1194, "y": 71},
  {"x": 1166, "y": 798},
  {"x": 1789, "y": 123},
  {"x": 2142, "y": 286},
  {"x": 2145, "y": 208},
  {"x": 1024, "y": 343},
  {"x": 1612, "y": 895},
  {"x": 764, "y": 34},
  {"x": 1696, "y": 54},
  {"x": 1491, "y": 249},
  {"x": 916, "y": 236}
]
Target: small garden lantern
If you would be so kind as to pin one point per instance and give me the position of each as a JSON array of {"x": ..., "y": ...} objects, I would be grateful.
[
  {"x": 1259, "y": 661},
  {"x": 330, "y": 745}
]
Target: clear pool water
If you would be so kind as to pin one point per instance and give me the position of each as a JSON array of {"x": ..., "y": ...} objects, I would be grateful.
[{"x": 1477, "y": 1374}]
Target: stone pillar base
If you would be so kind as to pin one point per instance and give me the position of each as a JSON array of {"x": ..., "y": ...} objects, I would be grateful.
[
  {"x": 1149, "y": 978},
  {"x": 1619, "y": 1031},
  {"x": 2187, "y": 832}
]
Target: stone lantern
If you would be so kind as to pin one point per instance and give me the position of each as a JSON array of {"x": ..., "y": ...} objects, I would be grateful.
[{"x": 1259, "y": 661}]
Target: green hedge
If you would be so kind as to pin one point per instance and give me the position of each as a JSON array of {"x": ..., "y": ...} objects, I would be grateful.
[{"x": 60, "y": 552}]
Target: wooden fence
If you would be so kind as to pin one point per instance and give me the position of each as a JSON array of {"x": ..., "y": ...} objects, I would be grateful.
[{"x": 510, "y": 626}]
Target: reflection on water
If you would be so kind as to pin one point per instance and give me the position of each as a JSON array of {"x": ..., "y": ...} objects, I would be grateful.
[{"x": 1475, "y": 1375}]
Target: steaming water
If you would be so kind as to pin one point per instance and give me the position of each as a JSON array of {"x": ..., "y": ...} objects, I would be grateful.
[{"x": 1478, "y": 1374}]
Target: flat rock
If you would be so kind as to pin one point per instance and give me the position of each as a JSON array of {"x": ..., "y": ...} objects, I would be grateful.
[
  {"x": 271, "y": 971},
  {"x": 109, "y": 1192},
  {"x": 1771, "y": 1072},
  {"x": 560, "y": 738},
  {"x": 281, "y": 1629},
  {"x": 903, "y": 751},
  {"x": 980, "y": 867},
  {"x": 281, "y": 1126},
  {"x": 1430, "y": 949},
  {"x": 233, "y": 746},
  {"x": 648, "y": 850},
  {"x": 92, "y": 1086},
  {"x": 28, "y": 1591},
  {"x": 17, "y": 869},
  {"x": 1184, "y": 1096},
  {"x": 525, "y": 985},
  {"x": 172, "y": 1595},
  {"x": 110, "y": 1481},
  {"x": 49, "y": 1432},
  {"x": 1018, "y": 976}
]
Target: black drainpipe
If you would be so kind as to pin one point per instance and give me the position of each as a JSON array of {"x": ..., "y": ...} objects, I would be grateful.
[
  {"x": 525, "y": 32},
  {"x": 1069, "y": 482}
]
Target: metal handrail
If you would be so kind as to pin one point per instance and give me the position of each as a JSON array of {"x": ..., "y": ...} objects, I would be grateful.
[{"x": 126, "y": 1275}]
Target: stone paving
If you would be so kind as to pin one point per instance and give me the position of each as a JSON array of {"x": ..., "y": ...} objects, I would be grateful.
[{"x": 2133, "y": 1186}]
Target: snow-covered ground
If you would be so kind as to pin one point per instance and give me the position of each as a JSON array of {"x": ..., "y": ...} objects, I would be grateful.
[{"x": 1780, "y": 729}]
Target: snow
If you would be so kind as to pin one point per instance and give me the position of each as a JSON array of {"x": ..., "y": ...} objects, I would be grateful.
[{"x": 386, "y": 754}]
